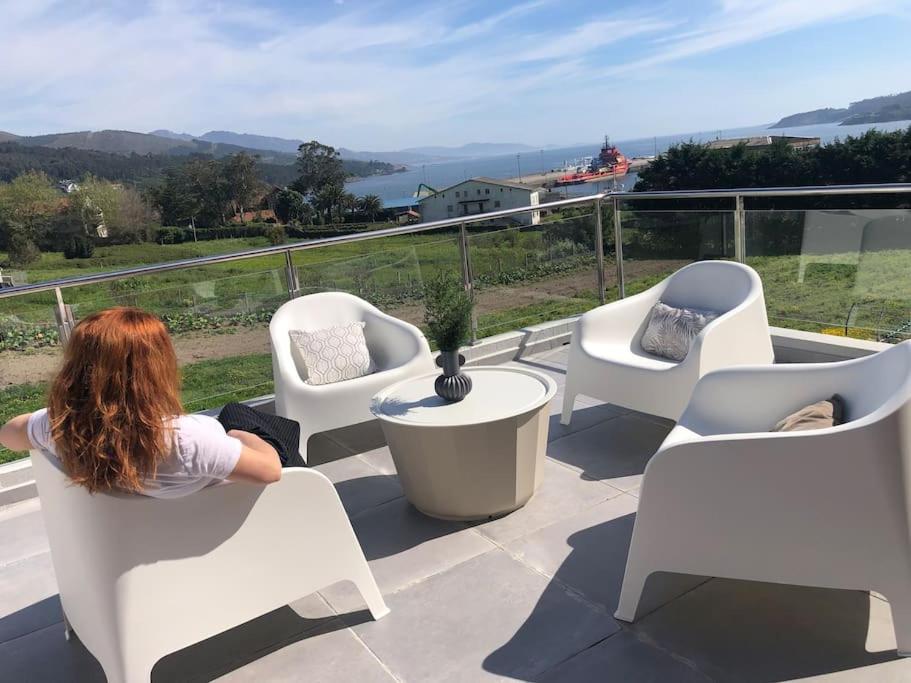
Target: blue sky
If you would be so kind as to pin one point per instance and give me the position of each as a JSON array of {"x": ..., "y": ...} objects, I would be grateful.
[{"x": 382, "y": 75}]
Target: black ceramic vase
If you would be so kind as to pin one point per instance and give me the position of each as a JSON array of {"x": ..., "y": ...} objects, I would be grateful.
[{"x": 452, "y": 385}]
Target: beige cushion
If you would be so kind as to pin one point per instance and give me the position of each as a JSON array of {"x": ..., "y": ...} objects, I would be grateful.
[
  {"x": 828, "y": 413},
  {"x": 671, "y": 331},
  {"x": 331, "y": 355}
]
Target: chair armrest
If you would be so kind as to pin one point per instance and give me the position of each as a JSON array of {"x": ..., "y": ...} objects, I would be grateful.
[
  {"x": 394, "y": 342},
  {"x": 619, "y": 320},
  {"x": 753, "y": 398}
]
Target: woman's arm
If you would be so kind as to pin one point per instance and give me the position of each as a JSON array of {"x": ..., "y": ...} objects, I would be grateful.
[
  {"x": 259, "y": 462},
  {"x": 14, "y": 434}
]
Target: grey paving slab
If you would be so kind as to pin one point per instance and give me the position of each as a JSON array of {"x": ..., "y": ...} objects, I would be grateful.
[
  {"x": 379, "y": 459},
  {"x": 248, "y": 643},
  {"x": 333, "y": 655},
  {"x": 752, "y": 631},
  {"x": 359, "y": 438},
  {"x": 45, "y": 655},
  {"x": 586, "y": 551},
  {"x": 624, "y": 658},
  {"x": 322, "y": 449},
  {"x": 28, "y": 591},
  {"x": 563, "y": 493},
  {"x": 22, "y": 532},
  {"x": 404, "y": 546},
  {"x": 587, "y": 413},
  {"x": 615, "y": 451},
  {"x": 486, "y": 619},
  {"x": 359, "y": 485}
]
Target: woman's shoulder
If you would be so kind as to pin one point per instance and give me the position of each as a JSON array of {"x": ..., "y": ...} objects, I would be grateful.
[{"x": 195, "y": 426}]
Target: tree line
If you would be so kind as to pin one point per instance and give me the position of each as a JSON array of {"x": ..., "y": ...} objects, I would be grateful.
[
  {"x": 139, "y": 169},
  {"x": 197, "y": 193},
  {"x": 873, "y": 157}
]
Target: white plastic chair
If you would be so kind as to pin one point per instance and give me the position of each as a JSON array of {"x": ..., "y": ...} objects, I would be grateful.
[
  {"x": 398, "y": 350},
  {"x": 140, "y": 577},
  {"x": 606, "y": 361},
  {"x": 725, "y": 497}
]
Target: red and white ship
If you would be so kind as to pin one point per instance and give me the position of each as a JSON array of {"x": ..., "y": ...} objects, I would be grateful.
[{"x": 610, "y": 163}]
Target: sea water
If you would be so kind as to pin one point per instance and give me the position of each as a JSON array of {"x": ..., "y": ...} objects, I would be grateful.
[{"x": 398, "y": 186}]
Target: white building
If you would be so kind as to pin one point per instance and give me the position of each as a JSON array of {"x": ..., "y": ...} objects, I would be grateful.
[{"x": 481, "y": 195}]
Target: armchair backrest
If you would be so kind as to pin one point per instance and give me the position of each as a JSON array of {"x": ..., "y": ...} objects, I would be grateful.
[
  {"x": 712, "y": 285},
  {"x": 315, "y": 312},
  {"x": 878, "y": 381}
]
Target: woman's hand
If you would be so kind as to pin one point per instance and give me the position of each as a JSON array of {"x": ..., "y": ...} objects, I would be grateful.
[
  {"x": 258, "y": 463},
  {"x": 14, "y": 434}
]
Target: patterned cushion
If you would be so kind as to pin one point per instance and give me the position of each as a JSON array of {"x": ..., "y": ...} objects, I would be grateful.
[
  {"x": 671, "y": 331},
  {"x": 331, "y": 355}
]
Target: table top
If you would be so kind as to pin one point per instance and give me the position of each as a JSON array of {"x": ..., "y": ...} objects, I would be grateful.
[{"x": 497, "y": 393}]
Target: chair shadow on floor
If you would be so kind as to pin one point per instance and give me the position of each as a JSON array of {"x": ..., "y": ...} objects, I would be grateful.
[
  {"x": 734, "y": 630},
  {"x": 52, "y": 658}
]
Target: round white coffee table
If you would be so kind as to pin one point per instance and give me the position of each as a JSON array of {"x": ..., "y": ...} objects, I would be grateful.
[{"x": 478, "y": 458}]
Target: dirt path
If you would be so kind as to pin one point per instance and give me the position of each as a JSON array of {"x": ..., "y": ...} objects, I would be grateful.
[{"x": 25, "y": 367}]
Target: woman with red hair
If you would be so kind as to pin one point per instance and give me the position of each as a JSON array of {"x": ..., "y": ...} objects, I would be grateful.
[{"x": 115, "y": 421}]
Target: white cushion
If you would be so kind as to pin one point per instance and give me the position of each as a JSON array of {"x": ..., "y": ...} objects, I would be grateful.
[
  {"x": 671, "y": 331},
  {"x": 330, "y": 355}
]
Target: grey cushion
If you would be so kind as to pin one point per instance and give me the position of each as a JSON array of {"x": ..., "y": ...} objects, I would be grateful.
[
  {"x": 332, "y": 354},
  {"x": 671, "y": 331},
  {"x": 819, "y": 415}
]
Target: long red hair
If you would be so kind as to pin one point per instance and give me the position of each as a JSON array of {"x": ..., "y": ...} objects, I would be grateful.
[{"x": 113, "y": 400}]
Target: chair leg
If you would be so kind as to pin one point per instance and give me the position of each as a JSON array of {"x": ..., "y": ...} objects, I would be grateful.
[
  {"x": 900, "y": 602},
  {"x": 569, "y": 400},
  {"x": 631, "y": 594},
  {"x": 67, "y": 627},
  {"x": 366, "y": 586}
]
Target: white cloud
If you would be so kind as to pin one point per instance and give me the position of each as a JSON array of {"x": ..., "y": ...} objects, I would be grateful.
[{"x": 355, "y": 77}]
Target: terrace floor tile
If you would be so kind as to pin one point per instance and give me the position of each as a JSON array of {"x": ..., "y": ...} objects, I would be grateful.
[
  {"x": 753, "y": 631},
  {"x": 614, "y": 451},
  {"x": 404, "y": 546},
  {"x": 622, "y": 658},
  {"x": 563, "y": 493},
  {"x": 359, "y": 485},
  {"x": 490, "y": 618}
]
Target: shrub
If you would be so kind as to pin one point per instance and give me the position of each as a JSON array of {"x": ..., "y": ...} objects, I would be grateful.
[
  {"x": 447, "y": 312},
  {"x": 276, "y": 234},
  {"x": 22, "y": 250},
  {"x": 78, "y": 246}
]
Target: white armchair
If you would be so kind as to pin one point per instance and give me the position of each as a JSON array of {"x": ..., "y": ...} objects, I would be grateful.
[
  {"x": 607, "y": 362},
  {"x": 725, "y": 497},
  {"x": 398, "y": 350},
  {"x": 140, "y": 577}
]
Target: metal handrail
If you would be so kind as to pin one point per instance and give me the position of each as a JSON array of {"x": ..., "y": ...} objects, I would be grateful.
[
  {"x": 810, "y": 190},
  {"x": 201, "y": 261}
]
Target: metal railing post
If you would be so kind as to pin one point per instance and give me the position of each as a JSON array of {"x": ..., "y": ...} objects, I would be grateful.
[
  {"x": 64, "y": 317},
  {"x": 291, "y": 276},
  {"x": 739, "y": 230},
  {"x": 599, "y": 251},
  {"x": 468, "y": 278},
  {"x": 618, "y": 247}
]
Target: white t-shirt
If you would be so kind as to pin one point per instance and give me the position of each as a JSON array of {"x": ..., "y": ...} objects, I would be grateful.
[{"x": 202, "y": 454}]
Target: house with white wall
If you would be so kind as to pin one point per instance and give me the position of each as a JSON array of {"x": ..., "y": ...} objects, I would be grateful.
[{"x": 481, "y": 195}]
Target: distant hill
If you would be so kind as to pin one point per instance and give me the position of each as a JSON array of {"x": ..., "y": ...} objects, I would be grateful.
[
  {"x": 411, "y": 155},
  {"x": 807, "y": 118},
  {"x": 69, "y": 162},
  {"x": 162, "y": 133},
  {"x": 129, "y": 142},
  {"x": 873, "y": 110}
]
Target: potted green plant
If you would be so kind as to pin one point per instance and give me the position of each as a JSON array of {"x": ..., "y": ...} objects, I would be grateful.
[{"x": 447, "y": 318}]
